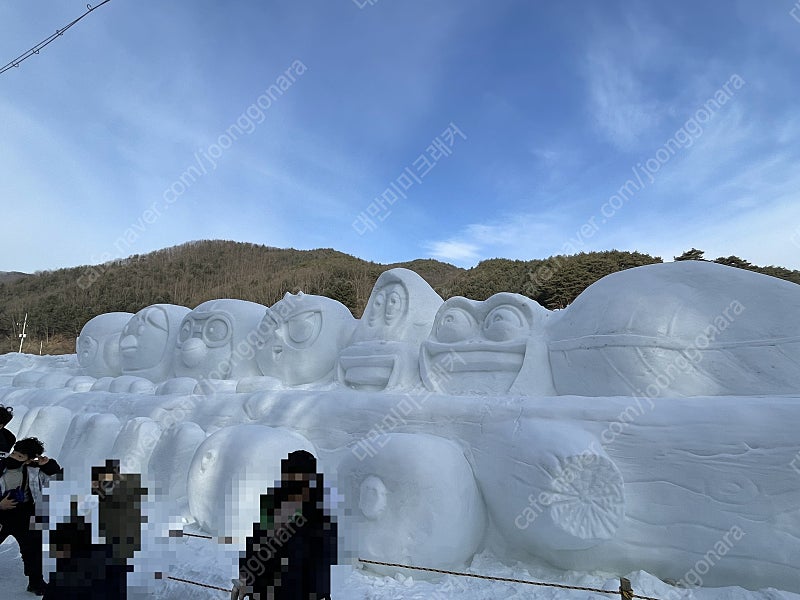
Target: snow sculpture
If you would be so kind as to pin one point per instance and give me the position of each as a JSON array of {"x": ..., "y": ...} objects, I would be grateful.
[
  {"x": 49, "y": 424},
  {"x": 80, "y": 383},
  {"x": 573, "y": 491},
  {"x": 231, "y": 469},
  {"x": 688, "y": 328},
  {"x": 300, "y": 338},
  {"x": 135, "y": 444},
  {"x": 217, "y": 340},
  {"x": 492, "y": 347},
  {"x": 148, "y": 341},
  {"x": 88, "y": 441},
  {"x": 171, "y": 457},
  {"x": 384, "y": 353},
  {"x": 131, "y": 384},
  {"x": 98, "y": 344},
  {"x": 414, "y": 501}
]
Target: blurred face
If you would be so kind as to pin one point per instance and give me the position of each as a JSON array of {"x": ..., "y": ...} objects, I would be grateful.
[
  {"x": 23, "y": 458},
  {"x": 103, "y": 484}
]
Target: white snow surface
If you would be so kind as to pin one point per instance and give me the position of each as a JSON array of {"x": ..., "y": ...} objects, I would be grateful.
[
  {"x": 650, "y": 427},
  {"x": 214, "y": 563}
]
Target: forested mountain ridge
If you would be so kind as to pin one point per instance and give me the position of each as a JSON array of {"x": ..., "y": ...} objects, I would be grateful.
[{"x": 59, "y": 302}]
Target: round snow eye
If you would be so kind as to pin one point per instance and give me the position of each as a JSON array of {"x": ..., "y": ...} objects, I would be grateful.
[
  {"x": 395, "y": 299},
  {"x": 455, "y": 325},
  {"x": 216, "y": 330},
  {"x": 305, "y": 327},
  {"x": 186, "y": 330},
  {"x": 504, "y": 323},
  {"x": 140, "y": 329},
  {"x": 379, "y": 299}
]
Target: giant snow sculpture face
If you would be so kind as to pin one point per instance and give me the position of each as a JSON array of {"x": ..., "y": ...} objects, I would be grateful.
[
  {"x": 384, "y": 353},
  {"x": 688, "y": 328},
  {"x": 148, "y": 341},
  {"x": 301, "y": 337},
  {"x": 217, "y": 340},
  {"x": 98, "y": 344},
  {"x": 480, "y": 347}
]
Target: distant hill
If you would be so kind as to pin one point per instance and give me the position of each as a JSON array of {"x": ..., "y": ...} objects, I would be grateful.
[
  {"x": 11, "y": 276},
  {"x": 60, "y": 302}
]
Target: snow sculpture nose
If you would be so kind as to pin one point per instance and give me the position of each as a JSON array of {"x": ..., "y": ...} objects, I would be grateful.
[
  {"x": 193, "y": 352},
  {"x": 128, "y": 344}
]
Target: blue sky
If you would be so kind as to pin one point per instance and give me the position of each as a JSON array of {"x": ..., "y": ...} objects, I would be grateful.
[{"x": 150, "y": 124}]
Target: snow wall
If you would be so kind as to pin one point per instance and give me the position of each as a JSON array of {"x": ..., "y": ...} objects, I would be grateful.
[{"x": 650, "y": 425}]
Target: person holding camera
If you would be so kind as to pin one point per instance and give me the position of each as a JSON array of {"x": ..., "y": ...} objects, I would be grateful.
[
  {"x": 7, "y": 439},
  {"x": 23, "y": 474}
]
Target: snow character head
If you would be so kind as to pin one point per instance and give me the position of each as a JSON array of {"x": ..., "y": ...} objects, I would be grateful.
[
  {"x": 229, "y": 470},
  {"x": 300, "y": 338},
  {"x": 217, "y": 340},
  {"x": 98, "y": 344},
  {"x": 481, "y": 347},
  {"x": 148, "y": 341},
  {"x": 385, "y": 349},
  {"x": 686, "y": 328}
]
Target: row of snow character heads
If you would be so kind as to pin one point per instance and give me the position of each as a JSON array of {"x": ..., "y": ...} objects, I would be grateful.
[{"x": 407, "y": 336}]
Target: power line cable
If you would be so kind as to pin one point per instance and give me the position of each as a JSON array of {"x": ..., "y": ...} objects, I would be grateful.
[{"x": 47, "y": 41}]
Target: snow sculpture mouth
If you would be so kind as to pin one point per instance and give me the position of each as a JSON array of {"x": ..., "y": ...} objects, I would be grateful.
[
  {"x": 369, "y": 372},
  {"x": 480, "y": 356}
]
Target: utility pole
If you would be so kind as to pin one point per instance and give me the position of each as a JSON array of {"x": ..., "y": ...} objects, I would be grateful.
[{"x": 23, "y": 334}]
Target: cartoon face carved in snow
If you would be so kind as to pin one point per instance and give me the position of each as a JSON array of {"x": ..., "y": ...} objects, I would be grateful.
[
  {"x": 301, "y": 336},
  {"x": 148, "y": 341},
  {"x": 98, "y": 344},
  {"x": 217, "y": 340},
  {"x": 385, "y": 349},
  {"x": 481, "y": 347}
]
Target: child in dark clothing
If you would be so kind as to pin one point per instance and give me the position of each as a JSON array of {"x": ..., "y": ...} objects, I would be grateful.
[
  {"x": 23, "y": 473},
  {"x": 84, "y": 571}
]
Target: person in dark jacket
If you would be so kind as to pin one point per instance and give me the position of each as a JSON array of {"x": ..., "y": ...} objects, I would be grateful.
[
  {"x": 7, "y": 439},
  {"x": 84, "y": 571},
  {"x": 23, "y": 474},
  {"x": 119, "y": 508},
  {"x": 293, "y": 547}
]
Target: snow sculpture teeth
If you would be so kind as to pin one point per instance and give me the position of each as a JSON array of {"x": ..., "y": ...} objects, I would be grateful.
[{"x": 414, "y": 501}]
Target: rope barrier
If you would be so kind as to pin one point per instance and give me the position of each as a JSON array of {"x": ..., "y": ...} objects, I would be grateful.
[
  {"x": 205, "y": 585},
  {"x": 625, "y": 591},
  {"x": 205, "y": 537}
]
